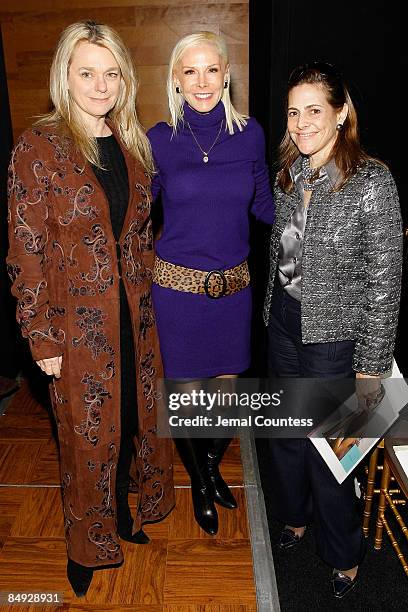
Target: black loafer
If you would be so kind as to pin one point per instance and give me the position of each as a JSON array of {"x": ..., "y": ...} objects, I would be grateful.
[
  {"x": 342, "y": 584},
  {"x": 288, "y": 539}
]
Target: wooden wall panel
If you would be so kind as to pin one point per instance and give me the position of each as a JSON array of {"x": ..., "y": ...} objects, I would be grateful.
[{"x": 149, "y": 27}]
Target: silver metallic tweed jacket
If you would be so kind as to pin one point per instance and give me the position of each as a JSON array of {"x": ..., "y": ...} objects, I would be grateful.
[{"x": 351, "y": 263}]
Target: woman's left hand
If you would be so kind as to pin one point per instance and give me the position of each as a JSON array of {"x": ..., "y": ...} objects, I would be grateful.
[{"x": 51, "y": 366}]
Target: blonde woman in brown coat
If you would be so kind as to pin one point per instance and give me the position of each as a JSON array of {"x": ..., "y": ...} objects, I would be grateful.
[{"x": 80, "y": 261}]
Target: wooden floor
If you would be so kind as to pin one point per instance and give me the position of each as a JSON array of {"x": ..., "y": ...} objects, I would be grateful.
[{"x": 182, "y": 570}]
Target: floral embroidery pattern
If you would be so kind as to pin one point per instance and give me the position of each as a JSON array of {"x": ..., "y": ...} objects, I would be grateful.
[
  {"x": 147, "y": 374},
  {"x": 53, "y": 311},
  {"x": 68, "y": 524},
  {"x": 57, "y": 398},
  {"x": 107, "y": 546},
  {"x": 34, "y": 241},
  {"x": 71, "y": 260},
  {"x": 91, "y": 465},
  {"x": 27, "y": 310},
  {"x": 61, "y": 262},
  {"x": 146, "y": 313},
  {"x": 150, "y": 503},
  {"x": 26, "y": 307},
  {"x": 61, "y": 146},
  {"x": 53, "y": 335},
  {"x": 26, "y": 199},
  {"x": 82, "y": 290},
  {"x": 135, "y": 270},
  {"x": 145, "y": 451},
  {"x": 104, "y": 484},
  {"x": 145, "y": 197},
  {"x": 91, "y": 323},
  {"x": 101, "y": 271},
  {"x": 65, "y": 484},
  {"x": 94, "y": 399},
  {"x": 14, "y": 271},
  {"x": 80, "y": 202},
  {"x": 16, "y": 187},
  {"x": 109, "y": 371},
  {"x": 146, "y": 237}
]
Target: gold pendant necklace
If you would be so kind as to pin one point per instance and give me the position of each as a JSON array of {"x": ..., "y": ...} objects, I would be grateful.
[{"x": 205, "y": 153}]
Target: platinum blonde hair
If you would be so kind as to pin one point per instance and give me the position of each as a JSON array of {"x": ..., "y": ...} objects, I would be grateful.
[
  {"x": 123, "y": 115},
  {"x": 176, "y": 100}
]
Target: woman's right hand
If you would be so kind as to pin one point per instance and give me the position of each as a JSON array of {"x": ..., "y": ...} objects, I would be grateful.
[
  {"x": 369, "y": 391},
  {"x": 51, "y": 366}
]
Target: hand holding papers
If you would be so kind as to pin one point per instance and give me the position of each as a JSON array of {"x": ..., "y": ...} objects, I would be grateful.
[{"x": 349, "y": 433}]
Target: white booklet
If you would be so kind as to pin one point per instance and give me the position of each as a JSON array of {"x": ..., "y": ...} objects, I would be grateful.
[
  {"x": 342, "y": 438},
  {"x": 401, "y": 452}
]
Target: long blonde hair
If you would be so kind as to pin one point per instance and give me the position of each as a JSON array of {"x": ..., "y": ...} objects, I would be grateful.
[
  {"x": 176, "y": 100},
  {"x": 65, "y": 113}
]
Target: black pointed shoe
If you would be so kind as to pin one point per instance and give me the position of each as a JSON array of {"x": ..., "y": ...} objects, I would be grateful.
[
  {"x": 80, "y": 577},
  {"x": 140, "y": 537},
  {"x": 125, "y": 520},
  {"x": 342, "y": 584},
  {"x": 205, "y": 512},
  {"x": 135, "y": 538},
  {"x": 288, "y": 539}
]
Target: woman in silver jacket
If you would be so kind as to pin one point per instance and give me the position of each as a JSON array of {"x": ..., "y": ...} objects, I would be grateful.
[{"x": 333, "y": 295}]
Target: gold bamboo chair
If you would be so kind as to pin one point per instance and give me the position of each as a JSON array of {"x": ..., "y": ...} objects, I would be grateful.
[
  {"x": 373, "y": 467},
  {"x": 392, "y": 468}
]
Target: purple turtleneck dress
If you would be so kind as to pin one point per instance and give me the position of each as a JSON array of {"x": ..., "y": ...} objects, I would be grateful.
[{"x": 206, "y": 226}]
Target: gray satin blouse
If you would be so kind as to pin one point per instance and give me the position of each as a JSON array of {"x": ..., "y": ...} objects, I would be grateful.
[{"x": 291, "y": 244}]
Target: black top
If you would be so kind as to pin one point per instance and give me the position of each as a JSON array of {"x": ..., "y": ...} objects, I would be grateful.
[
  {"x": 115, "y": 183},
  {"x": 114, "y": 180}
]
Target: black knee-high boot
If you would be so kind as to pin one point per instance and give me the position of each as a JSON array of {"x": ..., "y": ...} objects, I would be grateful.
[
  {"x": 193, "y": 453},
  {"x": 124, "y": 516},
  {"x": 222, "y": 493}
]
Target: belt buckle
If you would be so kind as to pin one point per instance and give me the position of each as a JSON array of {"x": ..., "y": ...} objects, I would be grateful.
[{"x": 217, "y": 294}]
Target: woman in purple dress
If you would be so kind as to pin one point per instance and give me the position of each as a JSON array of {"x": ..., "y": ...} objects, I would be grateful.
[{"x": 211, "y": 173}]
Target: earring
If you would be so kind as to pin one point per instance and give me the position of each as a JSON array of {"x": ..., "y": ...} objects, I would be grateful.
[
  {"x": 225, "y": 84},
  {"x": 177, "y": 89},
  {"x": 339, "y": 127}
]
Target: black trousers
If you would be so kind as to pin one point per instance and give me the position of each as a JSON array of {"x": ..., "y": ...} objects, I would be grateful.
[
  {"x": 305, "y": 490},
  {"x": 128, "y": 393}
]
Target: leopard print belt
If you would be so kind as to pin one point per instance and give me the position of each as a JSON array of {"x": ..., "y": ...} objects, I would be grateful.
[{"x": 214, "y": 284}]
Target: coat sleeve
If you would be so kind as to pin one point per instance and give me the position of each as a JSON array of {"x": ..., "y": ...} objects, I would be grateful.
[
  {"x": 382, "y": 234},
  {"x": 28, "y": 192},
  {"x": 262, "y": 206}
]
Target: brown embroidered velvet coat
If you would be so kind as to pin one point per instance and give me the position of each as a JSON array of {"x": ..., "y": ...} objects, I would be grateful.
[{"x": 64, "y": 270}]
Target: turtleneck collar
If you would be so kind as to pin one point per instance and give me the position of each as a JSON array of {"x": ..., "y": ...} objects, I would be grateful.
[{"x": 204, "y": 120}]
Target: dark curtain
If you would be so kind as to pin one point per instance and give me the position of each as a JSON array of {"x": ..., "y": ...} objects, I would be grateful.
[
  {"x": 9, "y": 350},
  {"x": 366, "y": 40}
]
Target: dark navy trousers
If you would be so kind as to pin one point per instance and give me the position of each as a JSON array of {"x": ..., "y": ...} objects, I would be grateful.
[{"x": 305, "y": 490}]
